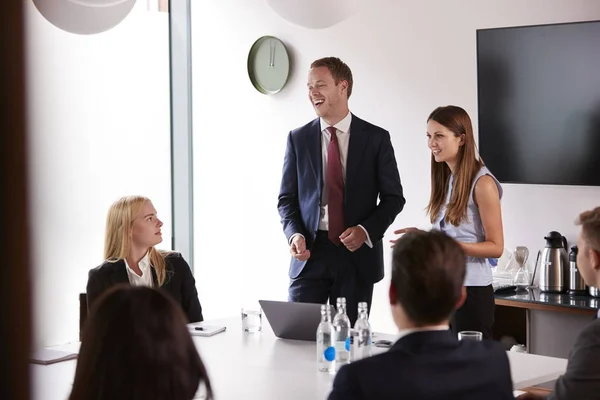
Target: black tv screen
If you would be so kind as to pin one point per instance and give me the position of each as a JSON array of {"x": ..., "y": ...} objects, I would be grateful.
[{"x": 539, "y": 103}]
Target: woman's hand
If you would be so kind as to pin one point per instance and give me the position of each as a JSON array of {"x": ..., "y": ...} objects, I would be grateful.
[{"x": 402, "y": 232}]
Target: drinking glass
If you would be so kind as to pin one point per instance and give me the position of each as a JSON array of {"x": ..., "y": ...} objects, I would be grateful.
[{"x": 251, "y": 319}]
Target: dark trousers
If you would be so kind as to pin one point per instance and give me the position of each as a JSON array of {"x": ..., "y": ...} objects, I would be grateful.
[
  {"x": 477, "y": 313},
  {"x": 328, "y": 274}
]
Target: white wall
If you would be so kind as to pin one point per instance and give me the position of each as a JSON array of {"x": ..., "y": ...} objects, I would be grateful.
[
  {"x": 407, "y": 57},
  {"x": 99, "y": 128}
]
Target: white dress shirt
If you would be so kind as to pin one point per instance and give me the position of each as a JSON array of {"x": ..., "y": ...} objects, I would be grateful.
[
  {"x": 404, "y": 332},
  {"x": 343, "y": 136},
  {"x": 146, "y": 278}
]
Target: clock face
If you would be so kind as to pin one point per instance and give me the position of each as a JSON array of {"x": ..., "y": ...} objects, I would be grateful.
[{"x": 268, "y": 65}]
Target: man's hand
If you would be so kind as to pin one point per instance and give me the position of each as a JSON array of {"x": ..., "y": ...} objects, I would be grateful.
[
  {"x": 353, "y": 238},
  {"x": 401, "y": 232},
  {"x": 298, "y": 248}
]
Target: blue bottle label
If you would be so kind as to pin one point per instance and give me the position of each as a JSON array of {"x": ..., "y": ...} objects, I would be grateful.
[
  {"x": 329, "y": 353},
  {"x": 348, "y": 344}
]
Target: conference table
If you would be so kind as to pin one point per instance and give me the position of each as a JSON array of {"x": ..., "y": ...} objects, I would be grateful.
[{"x": 259, "y": 365}]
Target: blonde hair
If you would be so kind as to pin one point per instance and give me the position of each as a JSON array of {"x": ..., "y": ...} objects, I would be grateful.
[
  {"x": 117, "y": 238},
  {"x": 590, "y": 226}
]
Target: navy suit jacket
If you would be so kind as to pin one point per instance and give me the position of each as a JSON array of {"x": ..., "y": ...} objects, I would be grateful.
[
  {"x": 179, "y": 283},
  {"x": 430, "y": 365},
  {"x": 371, "y": 174}
]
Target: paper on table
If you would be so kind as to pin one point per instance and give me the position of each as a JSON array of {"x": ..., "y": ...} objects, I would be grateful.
[
  {"x": 518, "y": 392},
  {"x": 47, "y": 356}
]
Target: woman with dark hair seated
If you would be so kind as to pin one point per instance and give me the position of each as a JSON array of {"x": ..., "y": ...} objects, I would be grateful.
[{"x": 135, "y": 346}]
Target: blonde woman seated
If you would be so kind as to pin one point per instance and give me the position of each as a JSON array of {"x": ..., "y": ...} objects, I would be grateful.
[{"x": 132, "y": 231}]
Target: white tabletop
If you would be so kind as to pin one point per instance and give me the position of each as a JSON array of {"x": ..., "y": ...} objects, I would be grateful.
[{"x": 260, "y": 366}]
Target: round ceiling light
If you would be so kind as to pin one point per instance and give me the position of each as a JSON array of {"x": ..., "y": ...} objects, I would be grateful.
[
  {"x": 84, "y": 17},
  {"x": 314, "y": 14}
]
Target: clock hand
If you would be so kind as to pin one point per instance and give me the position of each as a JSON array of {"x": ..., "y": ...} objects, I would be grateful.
[
  {"x": 274, "y": 48},
  {"x": 271, "y": 53}
]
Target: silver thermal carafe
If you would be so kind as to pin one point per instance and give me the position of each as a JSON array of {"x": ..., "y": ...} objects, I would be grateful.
[
  {"x": 593, "y": 291},
  {"x": 553, "y": 264},
  {"x": 576, "y": 282}
]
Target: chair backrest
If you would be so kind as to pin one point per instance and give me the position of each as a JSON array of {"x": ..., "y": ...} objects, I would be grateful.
[{"x": 83, "y": 310}]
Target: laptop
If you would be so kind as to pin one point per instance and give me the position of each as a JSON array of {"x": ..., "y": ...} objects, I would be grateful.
[{"x": 291, "y": 320}]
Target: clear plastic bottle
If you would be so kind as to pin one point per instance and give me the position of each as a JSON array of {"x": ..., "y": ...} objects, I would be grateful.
[
  {"x": 325, "y": 342},
  {"x": 341, "y": 325},
  {"x": 364, "y": 335}
]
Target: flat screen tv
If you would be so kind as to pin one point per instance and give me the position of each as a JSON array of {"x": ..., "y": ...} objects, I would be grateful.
[{"x": 539, "y": 103}]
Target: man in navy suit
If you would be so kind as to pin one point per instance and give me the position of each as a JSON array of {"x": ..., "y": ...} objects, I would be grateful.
[
  {"x": 336, "y": 168},
  {"x": 427, "y": 361}
]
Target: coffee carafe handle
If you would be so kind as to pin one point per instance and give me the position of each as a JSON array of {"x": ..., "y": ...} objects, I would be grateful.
[
  {"x": 535, "y": 267},
  {"x": 564, "y": 242}
]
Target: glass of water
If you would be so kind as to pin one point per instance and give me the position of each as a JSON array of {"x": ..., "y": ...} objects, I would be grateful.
[
  {"x": 470, "y": 335},
  {"x": 251, "y": 319}
]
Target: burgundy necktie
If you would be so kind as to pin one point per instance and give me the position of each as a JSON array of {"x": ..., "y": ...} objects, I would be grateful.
[{"x": 335, "y": 188}]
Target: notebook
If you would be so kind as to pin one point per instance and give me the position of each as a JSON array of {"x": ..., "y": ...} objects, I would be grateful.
[
  {"x": 47, "y": 356},
  {"x": 201, "y": 329}
]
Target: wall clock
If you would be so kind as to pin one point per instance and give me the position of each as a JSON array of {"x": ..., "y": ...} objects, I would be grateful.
[{"x": 268, "y": 65}]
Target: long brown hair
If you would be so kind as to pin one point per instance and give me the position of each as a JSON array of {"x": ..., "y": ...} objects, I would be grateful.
[
  {"x": 468, "y": 165},
  {"x": 136, "y": 345},
  {"x": 117, "y": 239}
]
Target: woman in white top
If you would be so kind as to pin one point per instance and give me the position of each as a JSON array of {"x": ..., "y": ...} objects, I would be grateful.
[{"x": 465, "y": 204}]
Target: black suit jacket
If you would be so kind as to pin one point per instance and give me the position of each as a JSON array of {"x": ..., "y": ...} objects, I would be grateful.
[
  {"x": 371, "y": 175},
  {"x": 179, "y": 283},
  {"x": 428, "y": 365},
  {"x": 581, "y": 381}
]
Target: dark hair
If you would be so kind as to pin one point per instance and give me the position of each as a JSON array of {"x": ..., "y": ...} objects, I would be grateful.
[
  {"x": 338, "y": 70},
  {"x": 428, "y": 271},
  {"x": 136, "y": 345},
  {"x": 458, "y": 122}
]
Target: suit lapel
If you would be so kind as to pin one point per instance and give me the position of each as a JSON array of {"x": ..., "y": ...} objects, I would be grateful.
[
  {"x": 169, "y": 272},
  {"x": 119, "y": 274},
  {"x": 356, "y": 148},
  {"x": 315, "y": 152},
  {"x": 154, "y": 277}
]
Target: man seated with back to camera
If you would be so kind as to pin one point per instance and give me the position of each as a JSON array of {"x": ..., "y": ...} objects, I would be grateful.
[{"x": 427, "y": 361}]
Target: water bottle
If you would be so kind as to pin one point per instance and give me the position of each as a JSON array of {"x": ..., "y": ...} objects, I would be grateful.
[
  {"x": 341, "y": 325},
  {"x": 353, "y": 337},
  {"x": 325, "y": 342},
  {"x": 362, "y": 329}
]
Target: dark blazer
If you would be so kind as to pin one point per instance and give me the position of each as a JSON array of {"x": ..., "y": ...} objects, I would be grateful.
[
  {"x": 428, "y": 365},
  {"x": 581, "y": 381},
  {"x": 371, "y": 174},
  {"x": 179, "y": 283}
]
